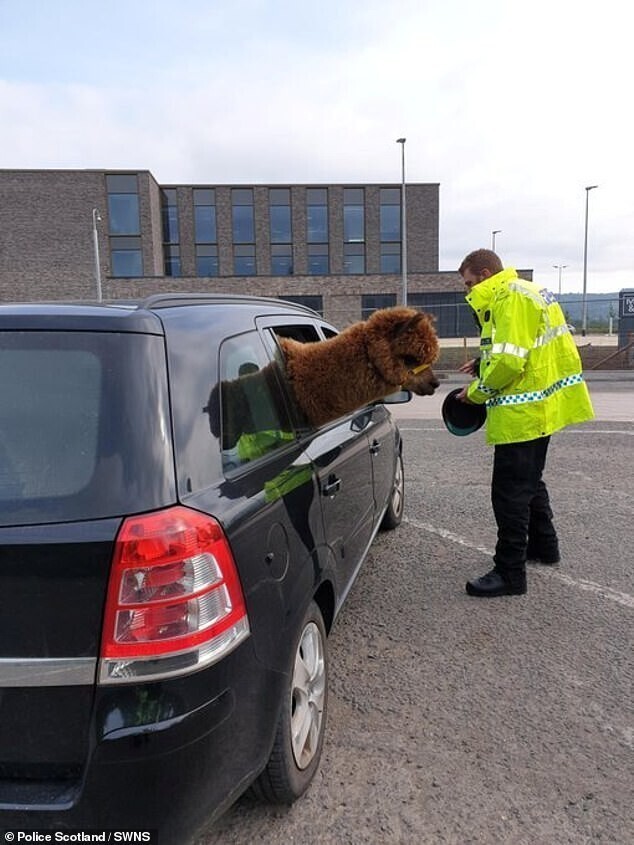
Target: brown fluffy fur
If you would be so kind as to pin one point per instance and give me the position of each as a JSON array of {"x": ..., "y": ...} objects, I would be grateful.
[
  {"x": 367, "y": 361},
  {"x": 330, "y": 378}
]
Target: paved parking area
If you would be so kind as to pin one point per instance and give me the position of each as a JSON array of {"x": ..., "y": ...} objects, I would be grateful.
[{"x": 458, "y": 720}]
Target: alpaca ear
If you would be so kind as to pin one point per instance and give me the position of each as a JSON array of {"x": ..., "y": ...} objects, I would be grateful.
[{"x": 406, "y": 325}]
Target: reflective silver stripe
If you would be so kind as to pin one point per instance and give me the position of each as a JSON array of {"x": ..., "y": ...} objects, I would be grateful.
[
  {"x": 520, "y": 352},
  {"x": 534, "y": 395},
  {"x": 509, "y": 349},
  {"x": 551, "y": 334},
  {"x": 528, "y": 293},
  {"x": 47, "y": 672}
]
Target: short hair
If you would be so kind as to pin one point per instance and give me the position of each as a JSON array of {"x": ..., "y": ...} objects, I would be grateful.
[{"x": 481, "y": 259}]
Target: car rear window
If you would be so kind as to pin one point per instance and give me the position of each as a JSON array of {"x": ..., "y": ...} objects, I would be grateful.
[
  {"x": 83, "y": 423},
  {"x": 49, "y": 421}
]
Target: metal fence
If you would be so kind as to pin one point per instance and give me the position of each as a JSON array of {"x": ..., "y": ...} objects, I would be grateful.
[{"x": 454, "y": 318}]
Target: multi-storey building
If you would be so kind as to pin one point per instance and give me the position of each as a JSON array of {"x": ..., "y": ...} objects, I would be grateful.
[{"x": 78, "y": 234}]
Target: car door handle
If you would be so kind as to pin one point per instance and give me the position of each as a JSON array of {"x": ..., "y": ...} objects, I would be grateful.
[
  {"x": 332, "y": 486},
  {"x": 375, "y": 448}
]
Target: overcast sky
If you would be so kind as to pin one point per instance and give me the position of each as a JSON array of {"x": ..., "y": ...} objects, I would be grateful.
[{"x": 513, "y": 108}]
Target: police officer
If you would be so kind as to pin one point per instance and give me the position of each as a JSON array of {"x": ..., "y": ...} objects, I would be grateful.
[{"x": 529, "y": 376}]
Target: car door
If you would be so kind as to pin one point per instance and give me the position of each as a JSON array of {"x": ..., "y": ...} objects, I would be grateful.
[
  {"x": 382, "y": 443},
  {"x": 381, "y": 435},
  {"x": 240, "y": 460},
  {"x": 340, "y": 452}
]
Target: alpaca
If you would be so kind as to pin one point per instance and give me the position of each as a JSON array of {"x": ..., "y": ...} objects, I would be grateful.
[{"x": 393, "y": 349}]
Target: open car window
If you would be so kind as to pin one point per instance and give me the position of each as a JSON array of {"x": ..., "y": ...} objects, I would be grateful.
[
  {"x": 302, "y": 332},
  {"x": 328, "y": 332}
]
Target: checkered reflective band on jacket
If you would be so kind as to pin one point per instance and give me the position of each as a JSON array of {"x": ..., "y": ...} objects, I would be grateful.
[
  {"x": 534, "y": 395},
  {"x": 530, "y": 372}
]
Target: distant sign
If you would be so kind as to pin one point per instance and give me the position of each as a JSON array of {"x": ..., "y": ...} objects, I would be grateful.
[{"x": 626, "y": 303}]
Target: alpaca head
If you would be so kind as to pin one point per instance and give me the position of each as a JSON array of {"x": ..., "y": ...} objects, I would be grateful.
[{"x": 402, "y": 345}]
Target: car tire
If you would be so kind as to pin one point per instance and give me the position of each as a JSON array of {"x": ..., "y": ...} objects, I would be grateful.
[
  {"x": 302, "y": 722},
  {"x": 393, "y": 516}
]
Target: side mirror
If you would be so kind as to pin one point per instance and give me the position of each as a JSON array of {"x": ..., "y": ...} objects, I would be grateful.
[{"x": 398, "y": 398}]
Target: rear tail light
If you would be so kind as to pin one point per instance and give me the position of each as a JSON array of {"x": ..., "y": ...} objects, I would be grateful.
[{"x": 175, "y": 603}]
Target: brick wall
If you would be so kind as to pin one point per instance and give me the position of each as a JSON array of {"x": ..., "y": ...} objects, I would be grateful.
[
  {"x": 46, "y": 243},
  {"x": 341, "y": 294},
  {"x": 47, "y": 250}
]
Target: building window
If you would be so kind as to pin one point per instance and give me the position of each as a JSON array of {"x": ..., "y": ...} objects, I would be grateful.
[
  {"x": 242, "y": 216},
  {"x": 390, "y": 199},
  {"x": 206, "y": 260},
  {"x": 205, "y": 232},
  {"x": 125, "y": 255},
  {"x": 281, "y": 260},
  {"x": 390, "y": 258},
  {"x": 318, "y": 260},
  {"x": 353, "y": 215},
  {"x": 172, "y": 260},
  {"x": 244, "y": 260},
  {"x": 317, "y": 215},
  {"x": 353, "y": 230},
  {"x": 371, "y": 302},
  {"x": 205, "y": 216},
  {"x": 169, "y": 210},
  {"x": 205, "y": 224},
  {"x": 123, "y": 205},
  {"x": 243, "y": 232},
  {"x": 280, "y": 215},
  {"x": 124, "y": 225},
  {"x": 354, "y": 258},
  {"x": 171, "y": 249},
  {"x": 390, "y": 230}
]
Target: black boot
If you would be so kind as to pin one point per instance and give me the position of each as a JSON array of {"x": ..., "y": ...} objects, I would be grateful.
[{"x": 494, "y": 583}]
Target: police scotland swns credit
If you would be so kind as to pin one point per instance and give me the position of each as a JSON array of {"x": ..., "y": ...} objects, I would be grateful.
[{"x": 38, "y": 836}]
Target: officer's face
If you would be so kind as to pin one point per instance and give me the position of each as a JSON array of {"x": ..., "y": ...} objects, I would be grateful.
[{"x": 470, "y": 279}]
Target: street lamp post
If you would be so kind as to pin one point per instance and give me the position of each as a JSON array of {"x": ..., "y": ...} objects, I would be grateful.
[
  {"x": 401, "y": 141},
  {"x": 493, "y": 234},
  {"x": 560, "y": 267},
  {"x": 584, "y": 306},
  {"x": 95, "y": 240}
]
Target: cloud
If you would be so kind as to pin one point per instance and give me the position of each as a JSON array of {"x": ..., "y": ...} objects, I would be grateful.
[{"x": 513, "y": 110}]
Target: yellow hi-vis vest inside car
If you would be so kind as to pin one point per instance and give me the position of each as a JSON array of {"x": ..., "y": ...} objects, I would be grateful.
[{"x": 530, "y": 371}]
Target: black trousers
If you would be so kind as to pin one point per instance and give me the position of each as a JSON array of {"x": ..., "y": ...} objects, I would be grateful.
[{"x": 521, "y": 505}]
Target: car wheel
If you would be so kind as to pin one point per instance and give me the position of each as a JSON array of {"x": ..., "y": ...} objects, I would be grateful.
[
  {"x": 300, "y": 731},
  {"x": 394, "y": 513}
]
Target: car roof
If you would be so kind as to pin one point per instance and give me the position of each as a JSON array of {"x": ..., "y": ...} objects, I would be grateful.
[{"x": 134, "y": 315}]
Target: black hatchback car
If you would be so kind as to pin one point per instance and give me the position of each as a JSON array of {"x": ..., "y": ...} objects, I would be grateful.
[{"x": 167, "y": 585}]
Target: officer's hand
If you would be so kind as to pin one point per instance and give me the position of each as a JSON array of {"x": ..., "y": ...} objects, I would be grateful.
[
  {"x": 469, "y": 367},
  {"x": 462, "y": 396}
]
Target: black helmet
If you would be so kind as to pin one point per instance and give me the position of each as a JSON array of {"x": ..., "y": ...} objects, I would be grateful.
[{"x": 462, "y": 418}]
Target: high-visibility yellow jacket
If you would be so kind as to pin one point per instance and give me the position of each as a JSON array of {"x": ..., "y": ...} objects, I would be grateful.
[{"x": 530, "y": 375}]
